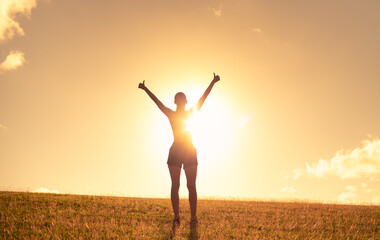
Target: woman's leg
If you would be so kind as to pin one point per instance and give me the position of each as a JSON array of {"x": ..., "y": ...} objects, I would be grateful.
[
  {"x": 175, "y": 174},
  {"x": 191, "y": 176}
]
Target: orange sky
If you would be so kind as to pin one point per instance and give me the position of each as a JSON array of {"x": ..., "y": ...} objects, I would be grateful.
[{"x": 295, "y": 115}]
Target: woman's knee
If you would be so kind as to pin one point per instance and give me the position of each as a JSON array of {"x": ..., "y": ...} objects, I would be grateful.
[
  {"x": 175, "y": 186},
  {"x": 191, "y": 186}
]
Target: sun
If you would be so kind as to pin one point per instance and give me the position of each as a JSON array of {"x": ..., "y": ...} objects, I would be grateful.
[{"x": 212, "y": 131}]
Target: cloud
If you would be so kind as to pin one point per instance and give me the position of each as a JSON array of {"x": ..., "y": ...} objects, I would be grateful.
[
  {"x": 9, "y": 10},
  {"x": 256, "y": 30},
  {"x": 296, "y": 173},
  {"x": 361, "y": 162},
  {"x": 288, "y": 189},
  {"x": 320, "y": 169},
  {"x": 364, "y": 188},
  {"x": 359, "y": 194},
  {"x": 9, "y": 27},
  {"x": 45, "y": 190},
  {"x": 14, "y": 60},
  {"x": 217, "y": 11},
  {"x": 348, "y": 196},
  {"x": 3, "y": 127}
]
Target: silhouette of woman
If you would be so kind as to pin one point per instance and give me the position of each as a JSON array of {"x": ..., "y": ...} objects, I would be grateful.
[{"x": 182, "y": 152}]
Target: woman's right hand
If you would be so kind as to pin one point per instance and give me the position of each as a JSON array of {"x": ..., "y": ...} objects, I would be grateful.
[{"x": 142, "y": 85}]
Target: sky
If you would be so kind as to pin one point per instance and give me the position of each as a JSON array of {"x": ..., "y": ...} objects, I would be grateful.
[{"x": 295, "y": 115}]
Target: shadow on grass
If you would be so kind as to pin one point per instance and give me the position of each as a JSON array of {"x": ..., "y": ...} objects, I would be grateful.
[
  {"x": 193, "y": 232},
  {"x": 173, "y": 231}
]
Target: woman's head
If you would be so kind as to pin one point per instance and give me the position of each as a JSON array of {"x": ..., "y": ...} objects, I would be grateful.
[{"x": 180, "y": 99}]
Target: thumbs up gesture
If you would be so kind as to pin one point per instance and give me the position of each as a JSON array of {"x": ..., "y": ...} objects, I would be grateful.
[
  {"x": 216, "y": 78},
  {"x": 142, "y": 85}
]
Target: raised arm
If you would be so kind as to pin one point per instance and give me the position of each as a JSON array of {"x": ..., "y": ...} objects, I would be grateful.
[
  {"x": 206, "y": 93},
  {"x": 160, "y": 105}
]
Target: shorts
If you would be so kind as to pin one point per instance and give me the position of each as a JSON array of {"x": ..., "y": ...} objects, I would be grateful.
[{"x": 185, "y": 154}]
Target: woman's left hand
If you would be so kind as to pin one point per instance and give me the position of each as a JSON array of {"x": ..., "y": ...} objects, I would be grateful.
[
  {"x": 142, "y": 85},
  {"x": 216, "y": 78}
]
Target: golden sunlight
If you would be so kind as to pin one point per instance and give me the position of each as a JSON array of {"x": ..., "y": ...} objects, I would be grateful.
[{"x": 212, "y": 130}]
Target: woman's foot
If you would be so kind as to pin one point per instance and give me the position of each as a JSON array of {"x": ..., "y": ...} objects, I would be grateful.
[
  {"x": 176, "y": 220},
  {"x": 194, "y": 222}
]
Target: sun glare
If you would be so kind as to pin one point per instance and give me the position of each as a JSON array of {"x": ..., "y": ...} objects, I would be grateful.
[{"x": 212, "y": 131}]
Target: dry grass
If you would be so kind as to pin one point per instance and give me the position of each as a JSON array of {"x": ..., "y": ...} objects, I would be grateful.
[{"x": 48, "y": 216}]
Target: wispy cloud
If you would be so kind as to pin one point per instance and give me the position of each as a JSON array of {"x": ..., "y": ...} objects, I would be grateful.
[
  {"x": 217, "y": 11},
  {"x": 359, "y": 194},
  {"x": 376, "y": 200},
  {"x": 361, "y": 162},
  {"x": 288, "y": 189},
  {"x": 256, "y": 30},
  {"x": 349, "y": 195},
  {"x": 365, "y": 188},
  {"x": 9, "y": 10},
  {"x": 14, "y": 60},
  {"x": 296, "y": 173},
  {"x": 2, "y": 127},
  {"x": 45, "y": 190}
]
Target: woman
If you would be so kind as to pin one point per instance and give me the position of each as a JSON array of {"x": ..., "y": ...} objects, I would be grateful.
[{"x": 182, "y": 152}]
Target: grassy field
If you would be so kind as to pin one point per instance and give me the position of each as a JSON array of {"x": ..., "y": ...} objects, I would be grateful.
[{"x": 46, "y": 216}]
